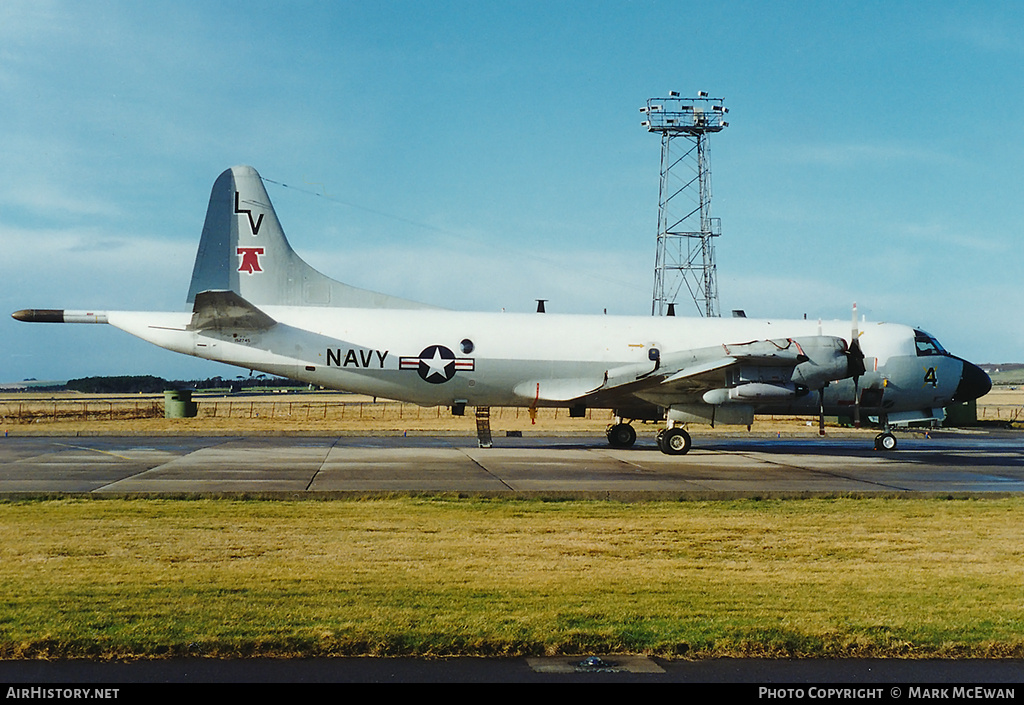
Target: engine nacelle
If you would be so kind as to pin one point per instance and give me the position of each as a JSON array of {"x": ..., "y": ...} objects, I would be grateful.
[
  {"x": 810, "y": 362},
  {"x": 827, "y": 361}
]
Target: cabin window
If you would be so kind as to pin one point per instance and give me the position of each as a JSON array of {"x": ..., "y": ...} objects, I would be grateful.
[{"x": 927, "y": 345}]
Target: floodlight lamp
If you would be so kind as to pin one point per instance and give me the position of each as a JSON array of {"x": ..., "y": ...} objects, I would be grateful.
[
  {"x": 643, "y": 110},
  {"x": 673, "y": 94}
]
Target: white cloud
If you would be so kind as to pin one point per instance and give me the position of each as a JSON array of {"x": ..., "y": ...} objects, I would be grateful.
[
  {"x": 842, "y": 155},
  {"x": 87, "y": 268},
  {"x": 472, "y": 278}
]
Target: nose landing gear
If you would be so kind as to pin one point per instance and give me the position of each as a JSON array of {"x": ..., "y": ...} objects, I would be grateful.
[{"x": 885, "y": 441}]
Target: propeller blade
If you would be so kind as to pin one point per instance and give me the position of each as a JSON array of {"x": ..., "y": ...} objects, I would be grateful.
[
  {"x": 855, "y": 366},
  {"x": 821, "y": 411},
  {"x": 854, "y": 355},
  {"x": 856, "y": 404}
]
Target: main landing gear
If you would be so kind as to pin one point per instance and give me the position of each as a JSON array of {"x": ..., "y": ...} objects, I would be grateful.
[
  {"x": 671, "y": 441},
  {"x": 621, "y": 435}
]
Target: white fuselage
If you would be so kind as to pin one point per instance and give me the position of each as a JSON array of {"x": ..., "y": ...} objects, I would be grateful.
[{"x": 505, "y": 359}]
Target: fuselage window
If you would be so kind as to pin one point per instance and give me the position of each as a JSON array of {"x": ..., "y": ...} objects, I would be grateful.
[{"x": 926, "y": 344}]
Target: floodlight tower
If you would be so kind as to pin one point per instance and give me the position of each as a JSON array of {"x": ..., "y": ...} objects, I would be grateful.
[{"x": 686, "y": 230}]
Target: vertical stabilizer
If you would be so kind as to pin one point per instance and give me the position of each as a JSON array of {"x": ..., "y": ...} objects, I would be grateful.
[{"x": 243, "y": 249}]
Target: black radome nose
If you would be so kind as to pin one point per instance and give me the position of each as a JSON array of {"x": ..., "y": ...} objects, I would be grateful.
[{"x": 974, "y": 383}]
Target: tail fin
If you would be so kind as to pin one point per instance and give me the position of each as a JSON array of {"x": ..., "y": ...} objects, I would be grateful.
[{"x": 244, "y": 250}]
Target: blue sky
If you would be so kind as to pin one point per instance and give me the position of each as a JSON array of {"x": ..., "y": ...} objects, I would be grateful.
[{"x": 481, "y": 155}]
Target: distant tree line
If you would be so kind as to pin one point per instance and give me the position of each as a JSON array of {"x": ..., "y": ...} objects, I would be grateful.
[
  {"x": 148, "y": 384},
  {"x": 117, "y": 385}
]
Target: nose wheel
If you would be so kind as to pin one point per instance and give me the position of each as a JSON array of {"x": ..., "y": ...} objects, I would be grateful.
[{"x": 885, "y": 441}]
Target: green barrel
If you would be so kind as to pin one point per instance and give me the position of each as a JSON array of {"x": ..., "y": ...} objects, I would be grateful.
[{"x": 179, "y": 405}]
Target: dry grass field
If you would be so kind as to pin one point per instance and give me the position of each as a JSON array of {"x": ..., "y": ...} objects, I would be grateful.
[
  {"x": 441, "y": 576},
  {"x": 1003, "y": 403},
  {"x": 330, "y": 413},
  {"x": 316, "y": 413}
]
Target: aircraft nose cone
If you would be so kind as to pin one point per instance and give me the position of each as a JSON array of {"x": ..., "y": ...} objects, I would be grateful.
[{"x": 974, "y": 383}]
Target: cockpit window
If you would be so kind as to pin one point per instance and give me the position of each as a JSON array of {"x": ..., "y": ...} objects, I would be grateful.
[{"x": 927, "y": 345}]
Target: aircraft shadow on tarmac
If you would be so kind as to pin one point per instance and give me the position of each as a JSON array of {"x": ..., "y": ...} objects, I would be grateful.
[{"x": 932, "y": 449}]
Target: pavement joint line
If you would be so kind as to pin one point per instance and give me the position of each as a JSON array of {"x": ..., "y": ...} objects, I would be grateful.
[
  {"x": 637, "y": 467},
  {"x": 484, "y": 468},
  {"x": 94, "y": 450},
  {"x": 827, "y": 473},
  {"x": 146, "y": 470},
  {"x": 323, "y": 462}
]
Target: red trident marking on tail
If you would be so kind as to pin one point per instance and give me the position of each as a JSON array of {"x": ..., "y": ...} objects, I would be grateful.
[{"x": 250, "y": 261}]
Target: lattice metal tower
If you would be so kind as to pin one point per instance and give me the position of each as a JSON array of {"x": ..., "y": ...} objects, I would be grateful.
[{"x": 686, "y": 230}]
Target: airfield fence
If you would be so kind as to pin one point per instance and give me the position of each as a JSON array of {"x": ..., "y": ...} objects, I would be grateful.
[
  {"x": 37, "y": 411},
  {"x": 353, "y": 410},
  {"x": 43, "y": 411}
]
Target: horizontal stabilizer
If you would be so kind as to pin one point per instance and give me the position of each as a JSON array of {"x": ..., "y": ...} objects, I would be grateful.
[{"x": 226, "y": 310}]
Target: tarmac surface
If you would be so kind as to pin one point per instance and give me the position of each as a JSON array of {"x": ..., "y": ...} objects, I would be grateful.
[{"x": 979, "y": 462}]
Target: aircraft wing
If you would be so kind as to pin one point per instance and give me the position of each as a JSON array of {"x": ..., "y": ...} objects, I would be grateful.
[
  {"x": 701, "y": 373},
  {"x": 226, "y": 310},
  {"x": 777, "y": 367}
]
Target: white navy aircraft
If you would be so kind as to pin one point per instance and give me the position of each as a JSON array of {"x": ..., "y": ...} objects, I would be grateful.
[{"x": 256, "y": 304}]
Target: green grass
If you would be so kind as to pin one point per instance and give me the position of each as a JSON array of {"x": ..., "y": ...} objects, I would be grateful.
[
  {"x": 123, "y": 578},
  {"x": 1007, "y": 377}
]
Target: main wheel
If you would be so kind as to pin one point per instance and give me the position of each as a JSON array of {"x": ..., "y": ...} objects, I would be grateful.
[
  {"x": 674, "y": 441},
  {"x": 885, "y": 441},
  {"x": 621, "y": 435}
]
